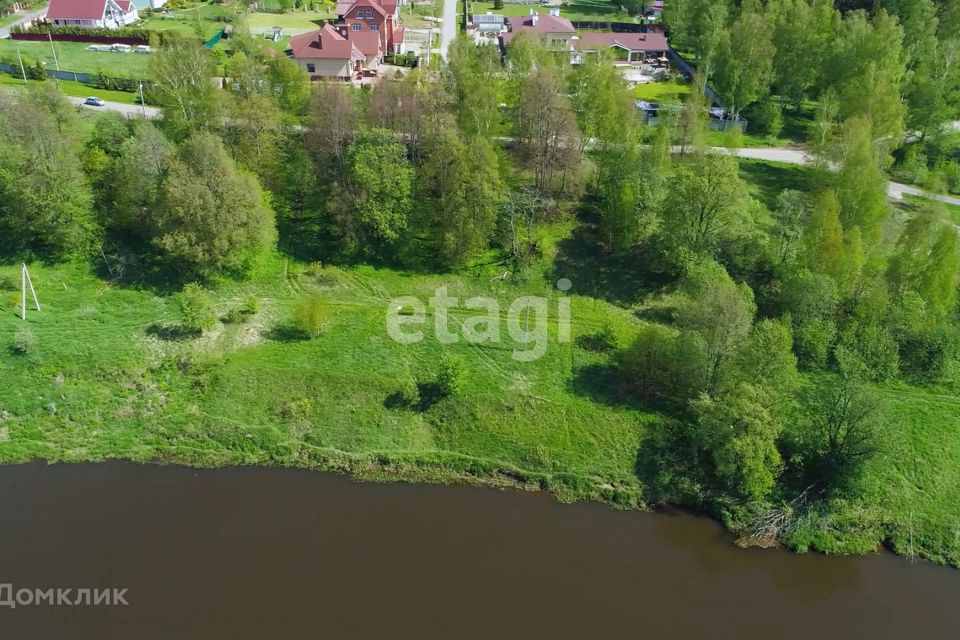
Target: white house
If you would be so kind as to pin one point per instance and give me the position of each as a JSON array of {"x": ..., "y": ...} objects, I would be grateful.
[{"x": 110, "y": 14}]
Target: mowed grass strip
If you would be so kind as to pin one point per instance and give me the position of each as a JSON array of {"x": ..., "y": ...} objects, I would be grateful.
[{"x": 73, "y": 56}]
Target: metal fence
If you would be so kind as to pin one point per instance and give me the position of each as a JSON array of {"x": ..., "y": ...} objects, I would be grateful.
[
  {"x": 715, "y": 125},
  {"x": 14, "y": 70},
  {"x": 688, "y": 71}
]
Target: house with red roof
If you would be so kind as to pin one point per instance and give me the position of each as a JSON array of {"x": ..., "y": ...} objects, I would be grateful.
[
  {"x": 556, "y": 32},
  {"x": 103, "y": 14},
  {"x": 327, "y": 53},
  {"x": 370, "y": 16}
]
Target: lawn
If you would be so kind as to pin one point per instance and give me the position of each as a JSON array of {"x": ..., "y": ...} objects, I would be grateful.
[
  {"x": 765, "y": 180},
  {"x": 185, "y": 21},
  {"x": 5, "y": 20},
  {"x": 73, "y": 56},
  {"x": 290, "y": 20},
  {"x": 674, "y": 90},
  {"x": 576, "y": 11},
  {"x": 80, "y": 90}
]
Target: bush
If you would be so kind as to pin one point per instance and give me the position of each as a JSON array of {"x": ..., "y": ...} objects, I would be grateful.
[
  {"x": 196, "y": 310},
  {"x": 124, "y": 32},
  {"x": 451, "y": 375},
  {"x": 409, "y": 393},
  {"x": 24, "y": 342},
  {"x": 251, "y": 306},
  {"x": 309, "y": 315},
  {"x": 927, "y": 354}
]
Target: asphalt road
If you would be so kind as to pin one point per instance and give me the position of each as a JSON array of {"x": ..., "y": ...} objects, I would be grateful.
[
  {"x": 448, "y": 28},
  {"x": 129, "y": 110},
  {"x": 796, "y": 156}
]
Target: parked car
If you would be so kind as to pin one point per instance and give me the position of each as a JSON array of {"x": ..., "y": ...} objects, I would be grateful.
[{"x": 96, "y": 102}]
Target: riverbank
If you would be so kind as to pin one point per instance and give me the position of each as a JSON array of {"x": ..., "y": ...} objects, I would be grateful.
[{"x": 109, "y": 376}]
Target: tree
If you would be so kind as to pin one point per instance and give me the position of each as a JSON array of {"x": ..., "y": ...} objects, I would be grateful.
[
  {"x": 934, "y": 95},
  {"x": 136, "y": 179},
  {"x": 546, "y": 128},
  {"x": 739, "y": 433},
  {"x": 254, "y": 133},
  {"x": 665, "y": 366},
  {"x": 210, "y": 217},
  {"x": 706, "y": 22},
  {"x": 790, "y": 216},
  {"x": 451, "y": 374},
  {"x": 767, "y": 358},
  {"x": 289, "y": 85},
  {"x": 859, "y": 181},
  {"x": 802, "y": 33},
  {"x": 310, "y": 315},
  {"x": 703, "y": 201},
  {"x": 822, "y": 250},
  {"x": 381, "y": 180},
  {"x": 181, "y": 71},
  {"x": 926, "y": 261},
  {"x": 719, "y": 311},
  {"x": 196, "y": 310},
  {"x": 849, "y": 428},
  {"x": 472, "y": 77},
  {"x": 331, "y": 125},
  {"x": 824, "y": 126},
  {"x": 744, "y": 67}
]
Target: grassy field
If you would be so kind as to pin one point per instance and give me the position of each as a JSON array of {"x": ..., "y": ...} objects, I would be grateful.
[
  {"x": 73, "y": 56},
  {"x": 291, "y": 20},
  {"x": 80, "y": 90},
  {"x": 121, "y": 384},
  {"x": 185, "y": 21}
]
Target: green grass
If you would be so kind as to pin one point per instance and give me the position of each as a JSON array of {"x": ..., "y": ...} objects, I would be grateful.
[
  {"x": 256, "y": 394},
  {"x": 765, "y": 180},
  {"x": 673, "y": 90},
  {"x": 185, "y": 20},
  {"x": 80, "y": 90},
  {"x": 10, "y": 19},
  {"x": 73, "y": 56},
  {"x": 292, "y": 20},
  {"x": 576, "y": 11}
]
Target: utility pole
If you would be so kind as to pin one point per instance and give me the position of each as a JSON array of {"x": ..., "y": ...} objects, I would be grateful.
[
  {"x": 24, "y": 281},
  {"x": 143, "y": 105},
  {"x": 55, "y": 61},
  {"x": 22, "y": 70}
]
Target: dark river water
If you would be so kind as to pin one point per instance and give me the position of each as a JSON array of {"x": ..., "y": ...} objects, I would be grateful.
[{"x": 275, "y": 553}]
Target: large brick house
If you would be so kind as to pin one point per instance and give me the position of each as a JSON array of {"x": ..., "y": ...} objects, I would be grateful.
[{"x": 355, "y": 44}]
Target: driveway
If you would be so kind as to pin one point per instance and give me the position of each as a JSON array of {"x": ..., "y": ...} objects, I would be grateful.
[{"x": 5, "y": 32}]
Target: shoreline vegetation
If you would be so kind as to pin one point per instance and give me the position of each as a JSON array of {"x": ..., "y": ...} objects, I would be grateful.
[{"x": 778, "y": 346}]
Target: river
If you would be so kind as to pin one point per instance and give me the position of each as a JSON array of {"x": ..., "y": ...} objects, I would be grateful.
[{"x": 281, "y": 553}]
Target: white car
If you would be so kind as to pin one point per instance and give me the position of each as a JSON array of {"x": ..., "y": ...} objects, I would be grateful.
[{"x": 96, "y": 102}]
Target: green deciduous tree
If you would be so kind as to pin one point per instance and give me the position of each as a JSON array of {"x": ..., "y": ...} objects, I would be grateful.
[
  {"x": 181, "y": 71},
  {"x": 704, "y": 201},
  {"x": 381, "y": 184},
  {"x": 196, "y": 310},
  {"x": 744, "y": 66},
  {"x": 926, "y": 261},
  {"x": 210, "y": 217}
]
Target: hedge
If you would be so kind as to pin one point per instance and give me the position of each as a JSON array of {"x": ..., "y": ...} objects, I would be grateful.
[{"x": 124, "y": 32}]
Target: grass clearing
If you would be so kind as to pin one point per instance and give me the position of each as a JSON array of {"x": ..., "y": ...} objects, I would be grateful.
[
  {"x": 195, "y": 21},
  {"x": 673, "y": 90},
  {"x": 73, "y": 56},
  {"x": 80, "y": 90},
  {"x": 576, "y": 11},
  {"x": 765, "y": 179},
  {"x": 291, "y": 20}
]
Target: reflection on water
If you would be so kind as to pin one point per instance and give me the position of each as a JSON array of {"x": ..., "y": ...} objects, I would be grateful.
[
  {"x": 810, "y": 576},
  {"x": 279, "y": 553}
]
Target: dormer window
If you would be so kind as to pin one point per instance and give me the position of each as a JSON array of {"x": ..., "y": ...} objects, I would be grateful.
[
  {"x": 359, "y": 15},
  {"x": 369, "y": 15}
]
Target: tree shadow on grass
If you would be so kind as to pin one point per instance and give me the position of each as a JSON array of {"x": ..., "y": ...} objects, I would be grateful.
[
  {"x": 618, "y": 277},
  {"x": 171, "y": 332},
  {"x": 430, "y": 394},
  {"x": 286, "y": 333},
  {"x": 603, "y": 384}
]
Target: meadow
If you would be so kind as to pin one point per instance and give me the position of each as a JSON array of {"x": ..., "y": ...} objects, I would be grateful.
[{"x": 73, "y": 56}]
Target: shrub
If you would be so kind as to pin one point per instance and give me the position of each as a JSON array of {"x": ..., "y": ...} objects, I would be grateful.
[
  {"x": 196, "y": 310},
  {"x": 451, "y": 375},
  {"x": 309, "y": 315},
  {"x": 409, "y": 393},
  {"x": 24, "y": 341},
  {"x": 251, "y": 306}
]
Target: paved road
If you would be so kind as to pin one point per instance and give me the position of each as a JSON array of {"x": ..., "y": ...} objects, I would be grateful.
[
  {"x": 129, "y": 110},
  {"x": 790, "y": 155},
  {"x": 448, "y": 28},
  {"x": 5, "y": 32}
]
